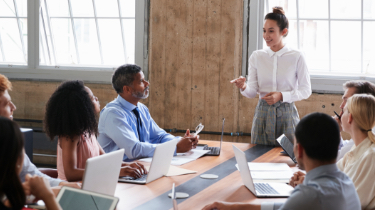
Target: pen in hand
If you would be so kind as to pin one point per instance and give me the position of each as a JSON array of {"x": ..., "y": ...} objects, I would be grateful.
[{"x": 338, "y": 116}]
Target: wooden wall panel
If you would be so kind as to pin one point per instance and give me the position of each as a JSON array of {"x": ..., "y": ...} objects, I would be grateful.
[
  {"x": 231, "y": 27},
  {"x": 212, "y": 74},
  {"x": 184, "y": 85},
  {"x": 157, "y": 38},
  {"x": 172, "y": 64},
  {"x": 198, "y": 79}
]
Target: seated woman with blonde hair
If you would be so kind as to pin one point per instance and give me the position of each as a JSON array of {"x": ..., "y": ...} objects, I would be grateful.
[{"x": 358, "y": 120}]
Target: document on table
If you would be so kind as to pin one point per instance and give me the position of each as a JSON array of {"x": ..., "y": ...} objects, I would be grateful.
[
  {"x": 175, "y": 171},
  {"x": 270, "y": 171},
  {"x": 183, "y": 158}
]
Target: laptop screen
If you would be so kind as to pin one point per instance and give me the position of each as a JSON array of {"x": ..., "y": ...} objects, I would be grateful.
[
  {"x": 287, "y": 146},
  {"x": 76, "y": 199},
  {"x": 222, "y": 133}
]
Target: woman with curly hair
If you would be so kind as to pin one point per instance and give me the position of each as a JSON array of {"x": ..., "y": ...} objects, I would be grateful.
[
  {"x": 71, "y": 116},
  {"x": 12, "y": 192}
]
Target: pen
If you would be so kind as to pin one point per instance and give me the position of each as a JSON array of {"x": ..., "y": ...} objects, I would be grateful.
[{"x": 337, "y": 115}]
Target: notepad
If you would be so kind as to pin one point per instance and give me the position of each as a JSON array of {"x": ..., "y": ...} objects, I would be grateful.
[
  {"x": 183, "y": 158},
  {"x": 176, "y": 171}
]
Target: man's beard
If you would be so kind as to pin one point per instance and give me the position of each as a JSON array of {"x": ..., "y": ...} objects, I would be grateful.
[{"x": 141, "y": 95}]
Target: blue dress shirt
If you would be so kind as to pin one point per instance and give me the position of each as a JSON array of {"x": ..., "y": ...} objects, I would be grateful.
[
  {"x": 324, "y": 188},
  {"x": 118, "y": 129},
  {"x": 29, "y": 168}
]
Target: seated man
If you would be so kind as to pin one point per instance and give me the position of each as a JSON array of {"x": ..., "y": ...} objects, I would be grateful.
[
  {"x": 351, "y": 88},
  {"x": 6, "y": 110},
  {"x": 317, "y": 137},
  {"x": 127, "y": 123}
]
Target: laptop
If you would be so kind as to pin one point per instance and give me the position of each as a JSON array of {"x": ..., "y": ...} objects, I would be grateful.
[
  {"x": 287, "y": 146},
  {"x": 214, "y": 151},
  {"x": 260, "y": 190},
  {"x": 77, "y": 199},
  {"x": 174, "y": 201},
  {"x": 102, "y": 172},
  {"x": 159, "y": 165}
]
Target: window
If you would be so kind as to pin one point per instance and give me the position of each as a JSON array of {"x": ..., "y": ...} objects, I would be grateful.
[
  {"x": 335, "y": 35},
  {"x": 72, "y": 39},
  {"x": 13, "y": 32}
]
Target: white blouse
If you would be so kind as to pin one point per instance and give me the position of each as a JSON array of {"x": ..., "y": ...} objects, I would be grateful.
[
  {"x": 359, "y": 165},
  {"x": 283, "y": 71}
]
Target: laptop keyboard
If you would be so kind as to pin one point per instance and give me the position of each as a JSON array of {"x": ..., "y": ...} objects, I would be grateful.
[
  {"x": 142, "y": 178},
  {"x": 214, "y": 150},
  {"x": 264, "y": 188}
]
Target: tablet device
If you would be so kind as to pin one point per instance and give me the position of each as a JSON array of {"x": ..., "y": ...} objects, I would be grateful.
[
  {"x": 287, "y": 146},
  {"x": 76, "y": 199}
]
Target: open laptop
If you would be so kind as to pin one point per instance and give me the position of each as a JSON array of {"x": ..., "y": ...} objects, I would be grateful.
[
  {"x": 159, "y": 165},
  {"x": 271, "y": 189},
  {"x": 102, "y": 172},
  {"x": 287, "y": 146},
  {"x": 77, "y": 199},
  {"x": 214, "y": 151}
]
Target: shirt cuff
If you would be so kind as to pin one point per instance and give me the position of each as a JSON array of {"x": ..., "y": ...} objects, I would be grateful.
[
  {"x": 54, "y": 182},
  {"x": 267, "y": 206},
  {"x": 286, "y": 97}
]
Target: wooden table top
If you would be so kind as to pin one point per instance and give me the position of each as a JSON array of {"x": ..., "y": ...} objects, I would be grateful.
[{"x": 228, "y": 187}]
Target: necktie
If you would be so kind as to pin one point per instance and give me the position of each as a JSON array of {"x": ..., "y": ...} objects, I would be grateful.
[{"x": 139, "y": 124}]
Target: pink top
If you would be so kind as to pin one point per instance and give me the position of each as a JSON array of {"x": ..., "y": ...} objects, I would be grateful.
[{"x": 87, "y": 147}]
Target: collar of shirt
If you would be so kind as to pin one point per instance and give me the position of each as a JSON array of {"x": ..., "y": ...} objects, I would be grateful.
[
  {"x": 318, "y": 171},
  {"x": 278, "y": 53},
  {"x": 127, "y": 105},
  {"x": 359, "y": 150}
]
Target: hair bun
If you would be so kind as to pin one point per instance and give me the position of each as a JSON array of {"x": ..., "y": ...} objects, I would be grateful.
[{"x": 278, "y": 10}]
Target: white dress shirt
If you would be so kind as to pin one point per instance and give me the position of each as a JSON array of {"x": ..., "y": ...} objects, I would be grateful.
[
  {"x": 359, "y": 165},
  {"x": 283, "y": 71}
]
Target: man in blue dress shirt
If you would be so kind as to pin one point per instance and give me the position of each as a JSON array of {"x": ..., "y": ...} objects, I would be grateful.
[
  {"x": 127, "y": 123},
  {"x": 317, "y": 137}
]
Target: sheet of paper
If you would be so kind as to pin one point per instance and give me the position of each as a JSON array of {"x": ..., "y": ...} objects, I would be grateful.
[
  {"x": 175, "y": 171},
  {"x": 268, "y": 167},
  {"x": 183, "y": 158},
  {"x": 285, "y": 175},
  {"x": 279, "y": 172}
]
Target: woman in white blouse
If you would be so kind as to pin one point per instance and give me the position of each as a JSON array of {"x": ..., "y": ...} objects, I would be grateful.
[
  {"x": 280, "y": 76},
  {"x": 359, "y": 163}
]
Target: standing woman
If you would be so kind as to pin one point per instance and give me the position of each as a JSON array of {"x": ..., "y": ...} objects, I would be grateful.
[{"x": 280, "y": 75}]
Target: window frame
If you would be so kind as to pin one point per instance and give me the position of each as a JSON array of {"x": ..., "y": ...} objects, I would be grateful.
[
  {"x": 320, "y": 82},
  {"x": 93, "y": 74}
]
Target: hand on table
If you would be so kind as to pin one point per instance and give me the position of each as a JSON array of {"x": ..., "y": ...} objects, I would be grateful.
[
  {"x": 273, "y": 97},
  {"x": 240, "y": 82},
  {"x": 218, "y": 206},
  {"x": 188, "y": 142},
  {"x": 37, "y": 186},
  {"x": 77, "y": 185},
  {"x": 297, "y": 178}
]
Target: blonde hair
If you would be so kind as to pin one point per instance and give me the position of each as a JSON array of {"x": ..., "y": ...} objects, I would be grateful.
[{"x": 362, "y": 108}]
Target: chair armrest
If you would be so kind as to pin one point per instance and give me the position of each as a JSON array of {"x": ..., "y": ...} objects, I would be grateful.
[{"x": 49, "y": 172}]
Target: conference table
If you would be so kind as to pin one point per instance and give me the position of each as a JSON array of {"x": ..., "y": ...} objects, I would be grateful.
[{"x": 228, "y": 187}]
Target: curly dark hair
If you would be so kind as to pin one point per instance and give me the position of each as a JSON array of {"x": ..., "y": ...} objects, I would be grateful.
[{"x": 70, "y": 111}]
